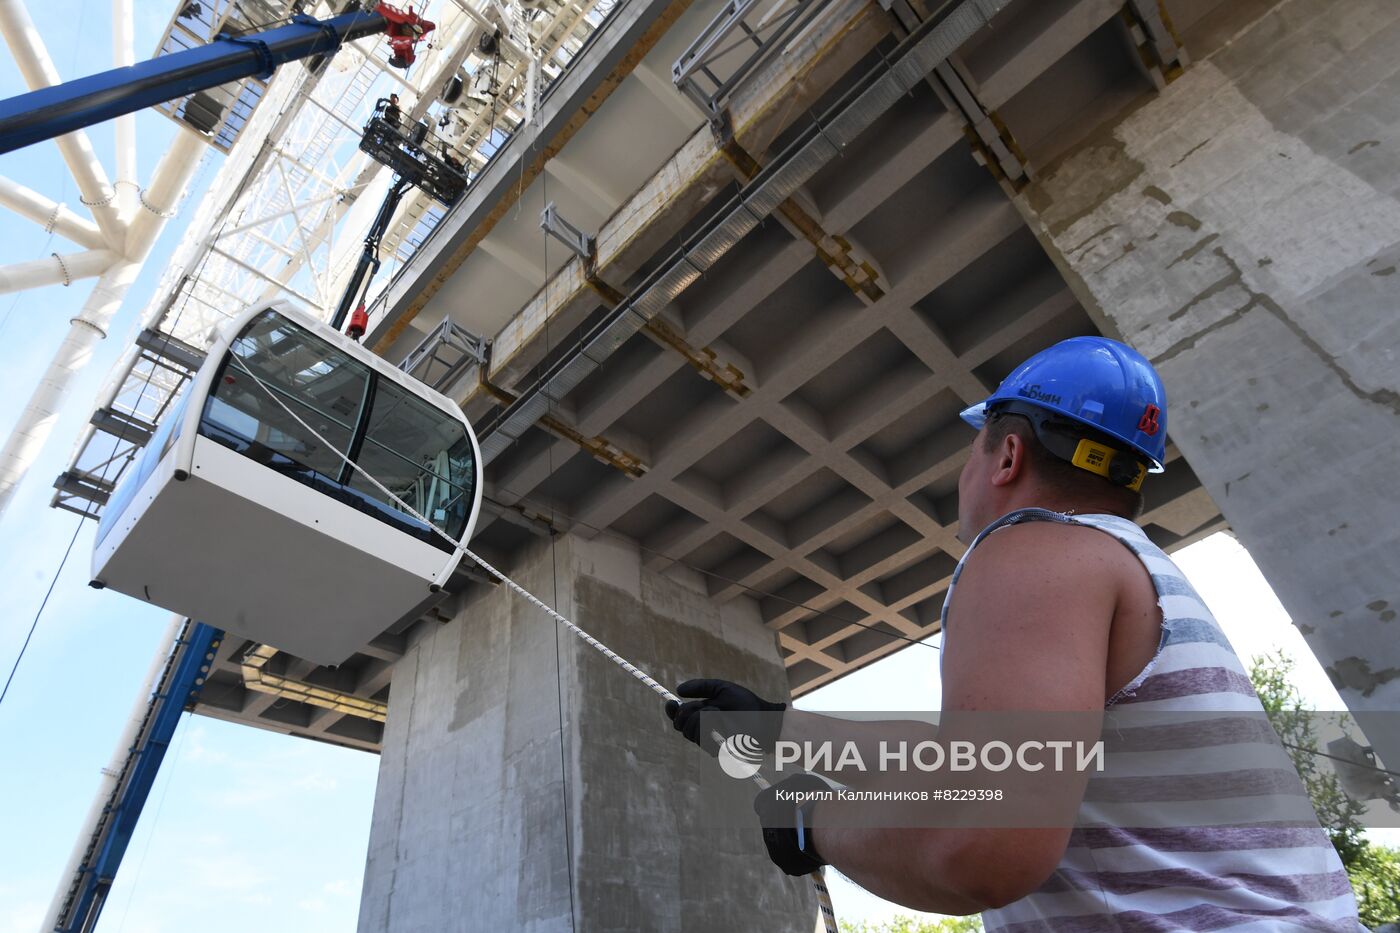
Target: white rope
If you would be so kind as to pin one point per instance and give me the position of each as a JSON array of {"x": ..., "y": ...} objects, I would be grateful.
[{"x": 818, "y": 876}]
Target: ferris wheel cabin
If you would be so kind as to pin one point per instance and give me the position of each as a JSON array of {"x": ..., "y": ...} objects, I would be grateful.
[{"x": 257, "y": 506}]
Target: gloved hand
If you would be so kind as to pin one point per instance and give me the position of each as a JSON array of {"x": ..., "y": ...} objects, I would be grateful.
[
  {"x": 791, "y": 849},
  {"x": 740, "y": 711}
]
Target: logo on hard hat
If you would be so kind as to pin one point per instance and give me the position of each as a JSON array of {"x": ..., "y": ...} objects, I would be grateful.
[
  {"x": 1036, "y": 393},
  {"x": 1147, "y": 424},
  {"x": 740, "y": 756}
]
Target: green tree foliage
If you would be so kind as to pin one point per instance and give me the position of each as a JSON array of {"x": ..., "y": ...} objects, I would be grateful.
[
  {"x": 1374, "y": 870},
  {"x": 905, "y": 924},
  {"x": 1338, "y": 813},
  {"x": 1375, "y": 877}
]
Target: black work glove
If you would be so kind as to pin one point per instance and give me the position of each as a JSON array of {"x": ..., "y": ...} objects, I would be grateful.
[
  {"x": 734, "y": 709},
  {"x": 795, "y": 853}
]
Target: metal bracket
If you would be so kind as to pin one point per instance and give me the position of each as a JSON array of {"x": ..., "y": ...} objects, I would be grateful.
[
  {"x": 1150, "y": 30},
  {"x": 442, "y": 356},
  {"x": 133, "y": 430},
  {"x": 73, "y": 484},
  {"x": 266, "y": 63},
  {"x": 552, "y": 223},
  {"x": 992, "y": 143},
  {"x": 171, "y": 349},
  {"x": 716, "y": 49}
]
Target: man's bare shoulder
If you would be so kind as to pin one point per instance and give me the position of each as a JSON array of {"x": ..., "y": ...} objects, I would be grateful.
[
  {"x": 1030, "y": 622},
  {"x": 1052, "y": 596},
  {"x": 1041, "y": 547},
  {"x": 1056, "y": 573}
]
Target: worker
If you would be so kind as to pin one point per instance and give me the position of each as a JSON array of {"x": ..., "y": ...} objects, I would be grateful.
[
  {"x": 450, "y": 158},
  {"x": 1061, "y": 604},
  {"x": 392, "y": 114}
]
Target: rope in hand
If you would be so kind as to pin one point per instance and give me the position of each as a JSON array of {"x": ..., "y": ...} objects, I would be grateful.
[{"x": 818, "y": 877}]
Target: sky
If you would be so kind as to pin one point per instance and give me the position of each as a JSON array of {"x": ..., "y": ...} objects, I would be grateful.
[{"x": 247, "y": 828}]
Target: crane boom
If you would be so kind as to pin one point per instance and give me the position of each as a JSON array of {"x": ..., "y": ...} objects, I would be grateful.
[{"x": 52, "y": 111}]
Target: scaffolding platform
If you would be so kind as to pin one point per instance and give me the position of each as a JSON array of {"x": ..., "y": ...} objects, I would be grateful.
[{"x": 414, "y": 152}]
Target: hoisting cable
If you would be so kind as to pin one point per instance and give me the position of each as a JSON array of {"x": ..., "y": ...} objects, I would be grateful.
[
  {"x": 554, "y": 575},
  {"x": 35, "y": 624},
  {"x": 828, "y": 915}
]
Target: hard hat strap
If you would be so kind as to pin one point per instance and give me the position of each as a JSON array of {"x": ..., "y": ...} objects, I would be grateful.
[{"x": 1074, "y": 444}]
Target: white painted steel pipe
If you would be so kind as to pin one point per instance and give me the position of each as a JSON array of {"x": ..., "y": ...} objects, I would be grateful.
[
  {"x": 55, "y": 269},
  {"x": 37, "y": 419},
  {"x": 50, "y": 215},
  {"x": 158, "y": 201},
  {"x": 124, "y": 55},
  {"x": 32, "y": 59},
  {"x": 42, "y": 410}
]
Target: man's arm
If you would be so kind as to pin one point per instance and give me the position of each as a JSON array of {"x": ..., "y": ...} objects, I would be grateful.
[
  {"x": 1029, "y": 632},
  {"x": 868, "y": 737}
]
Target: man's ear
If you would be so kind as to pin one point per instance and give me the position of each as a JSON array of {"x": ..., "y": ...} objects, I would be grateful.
[{"x": 1010, "y": 460}]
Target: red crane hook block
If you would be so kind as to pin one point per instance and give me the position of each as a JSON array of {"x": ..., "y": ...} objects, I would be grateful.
[{"x": 406, "y": 29}]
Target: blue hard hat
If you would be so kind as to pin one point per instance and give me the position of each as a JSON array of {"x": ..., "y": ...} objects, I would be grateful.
[{"x": 1095, "y": 381}]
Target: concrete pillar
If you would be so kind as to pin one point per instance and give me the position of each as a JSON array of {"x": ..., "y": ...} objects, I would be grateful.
[
  {"x": 1241, "y": 229},
  {"x": 489, "y": 817}
]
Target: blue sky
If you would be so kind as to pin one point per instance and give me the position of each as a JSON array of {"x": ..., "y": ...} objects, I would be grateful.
[{"x": 246, "y": 828}]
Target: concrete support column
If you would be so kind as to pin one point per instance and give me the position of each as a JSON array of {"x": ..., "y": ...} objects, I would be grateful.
[
  {"x": 1242, "y": 230},
  {"x": 490, "y": 817}
]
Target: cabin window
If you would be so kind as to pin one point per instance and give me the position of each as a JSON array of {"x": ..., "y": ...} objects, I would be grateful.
[
  {"x": 416, "y": 450},
  {"x": 276, "y": 369},
  {"x": 422, "y": 457}
]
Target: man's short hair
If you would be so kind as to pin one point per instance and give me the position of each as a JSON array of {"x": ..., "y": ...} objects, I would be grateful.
[{"x": 1060, "y": 475}]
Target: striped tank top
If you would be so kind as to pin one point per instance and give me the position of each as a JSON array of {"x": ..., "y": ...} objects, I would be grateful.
[{"x": 1198, "y": 820}]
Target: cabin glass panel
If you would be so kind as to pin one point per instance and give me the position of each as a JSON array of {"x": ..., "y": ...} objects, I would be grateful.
[
  {"x": 276, "y": 368},
  {"x": 423, "y": 457}
]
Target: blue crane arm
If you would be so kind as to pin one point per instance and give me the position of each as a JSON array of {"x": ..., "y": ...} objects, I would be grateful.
[
  {"x": 186, "y": 671},
  {"x": 63, "y": 108}
]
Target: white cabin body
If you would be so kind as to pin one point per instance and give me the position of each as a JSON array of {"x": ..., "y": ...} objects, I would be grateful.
[{"x": 250, "y": 509}]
